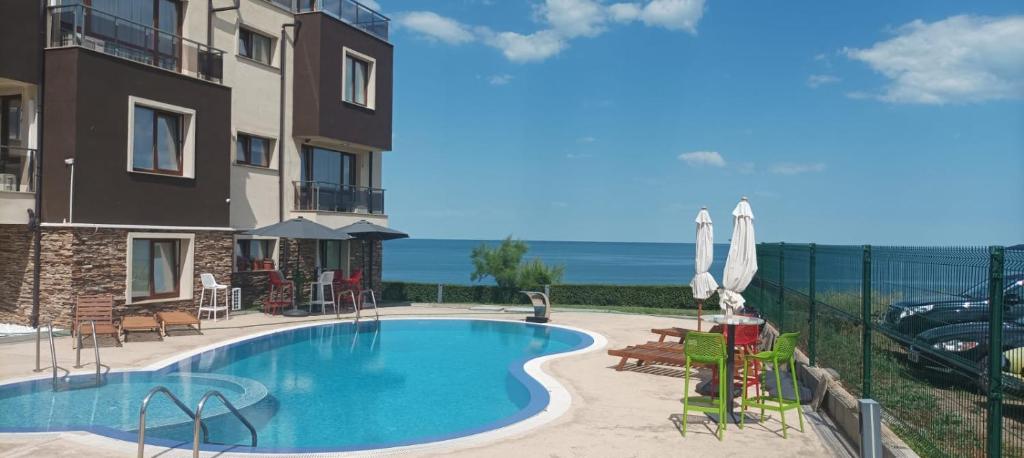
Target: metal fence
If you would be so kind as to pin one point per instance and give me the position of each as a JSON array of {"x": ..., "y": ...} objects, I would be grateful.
[{"x": 917, "y": 329}]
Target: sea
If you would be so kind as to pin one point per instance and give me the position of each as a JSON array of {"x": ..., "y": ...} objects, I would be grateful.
[{"x": 619, "y": 263}]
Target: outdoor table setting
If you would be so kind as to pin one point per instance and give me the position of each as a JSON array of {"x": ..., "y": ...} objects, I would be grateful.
[{"x": 730, "y": 322}]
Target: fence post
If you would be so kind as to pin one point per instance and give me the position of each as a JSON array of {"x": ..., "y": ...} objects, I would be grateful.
[
  {"x": 866, "y": 322},
  {"x": 812, "y": 318},
  {"x": 782, "y": 286},
  {"x": 995, "y": 351}
]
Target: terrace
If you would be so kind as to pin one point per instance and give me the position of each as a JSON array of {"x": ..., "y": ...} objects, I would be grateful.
[{"x": 89, "y": 28}]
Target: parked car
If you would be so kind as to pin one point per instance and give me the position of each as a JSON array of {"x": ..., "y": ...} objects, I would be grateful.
[
  {"x": 914, "y": 317},
  {"x": 968, "y": 345}
]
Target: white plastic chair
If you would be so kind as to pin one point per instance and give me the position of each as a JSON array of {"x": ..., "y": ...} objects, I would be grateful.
[
  {"x": 323, "y": 285},
  {"x": 210, "y": 284}
]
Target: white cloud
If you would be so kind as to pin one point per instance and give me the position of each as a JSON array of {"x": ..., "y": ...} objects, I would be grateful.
[
  {"x": 562, "y": 20},
  {"x": 578, "y": 156},
  {"x": 436, "y": 27},
  {"x": 574, "y": 18},
  {"x": 957, "y": 59},
  {"x": 499, "y": 80},
  {"x": 701, "y": 158},
  {"x": 670, "y": 14},
  {"x": 587, "y": 139},
  {"x": 533, "y": 47},
  {"x": 819, "y": 80},
  {"x": 796, "y": 169}
]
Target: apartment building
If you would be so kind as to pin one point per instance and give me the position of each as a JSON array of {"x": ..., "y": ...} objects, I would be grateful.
[{"x": 141, "y": 138}]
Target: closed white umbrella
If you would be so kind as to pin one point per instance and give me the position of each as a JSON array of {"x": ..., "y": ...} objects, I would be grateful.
[
  {"x": 703, "y": 284},
  {"x": 741, "y": 265}
]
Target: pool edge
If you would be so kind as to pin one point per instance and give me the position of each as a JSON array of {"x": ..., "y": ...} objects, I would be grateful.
[{"x": 559, "y": 398}]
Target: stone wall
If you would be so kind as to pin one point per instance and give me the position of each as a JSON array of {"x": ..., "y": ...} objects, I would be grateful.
[
  {"x": 85, "y": 261},
  {"x": 361, "y": 249}
]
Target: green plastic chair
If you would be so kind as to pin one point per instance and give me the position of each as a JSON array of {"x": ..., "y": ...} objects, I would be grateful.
[
  {"x": 706, "y": 348},
  {"x": 781, "y": 354}
]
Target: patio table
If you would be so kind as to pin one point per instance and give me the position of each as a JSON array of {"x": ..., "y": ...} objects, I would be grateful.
[{"x": 731, "y": 323}]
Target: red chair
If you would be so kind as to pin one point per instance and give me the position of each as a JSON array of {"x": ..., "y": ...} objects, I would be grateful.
[
  {"x": 747, "y": 340},
  {"x": 282, "y": 293},
  {"x": 349, "y": 289}
]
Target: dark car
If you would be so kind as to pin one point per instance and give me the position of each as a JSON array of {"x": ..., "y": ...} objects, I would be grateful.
[
  {"x": 913, "y": 317},
  {"x": 964, "y": 347}
]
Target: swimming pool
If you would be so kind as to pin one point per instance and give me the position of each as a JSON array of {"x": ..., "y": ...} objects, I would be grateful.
[{"x": 333, "y": 387}]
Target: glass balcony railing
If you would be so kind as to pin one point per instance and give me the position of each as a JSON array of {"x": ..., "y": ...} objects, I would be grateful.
[
  {"x": 332, "y": 197},
  {"x": 349, "y": 11},
  {"x": 80, "y": 25},
  {"x": 17, "y": 169}
]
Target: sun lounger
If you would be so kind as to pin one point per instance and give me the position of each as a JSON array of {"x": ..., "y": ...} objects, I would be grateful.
[
  {"x": 178, "y": 319},
  {"x": 137, "y": 323},
  {"x": 98, "y": 309},
  {"x": 652, "y": 352},
  {"x": 678, "y": 333}
]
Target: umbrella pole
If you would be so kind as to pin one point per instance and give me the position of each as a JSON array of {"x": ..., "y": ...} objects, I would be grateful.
[{"x": 700, "y": 305}]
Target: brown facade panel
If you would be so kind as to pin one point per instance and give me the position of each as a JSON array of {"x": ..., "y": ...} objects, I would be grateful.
[
  {"x": 87, "y": 98},
  {"x": 19, "y": 40},
  {"x": 318, "y": 107},
  {"x": 86, "y": 261}
]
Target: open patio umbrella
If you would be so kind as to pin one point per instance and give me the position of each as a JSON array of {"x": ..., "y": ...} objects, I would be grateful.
[
  {"x": 365, "y": 230},
  {"x": 297, "y": 228},
  {"x": 741, "y": 265},
  {"x": 703, "y": 284}
]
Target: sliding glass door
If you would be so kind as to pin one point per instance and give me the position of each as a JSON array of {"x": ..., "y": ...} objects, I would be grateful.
[{"x": 328, "y": 179}]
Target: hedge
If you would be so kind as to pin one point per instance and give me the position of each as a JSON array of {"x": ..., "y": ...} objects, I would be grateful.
[{"x": 657, "y": 296}]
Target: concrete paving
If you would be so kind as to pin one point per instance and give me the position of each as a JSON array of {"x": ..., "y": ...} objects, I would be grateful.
[{"x": 632, "y": 413}]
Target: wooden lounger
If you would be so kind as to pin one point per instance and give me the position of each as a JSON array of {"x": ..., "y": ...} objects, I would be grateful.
[
  {"x": 98, "y": 309},
  {"x": 178, "y": 319},
  {"x": 679, "y": 333},
  {"x": 651, "y": 352},
  {"x": 139, "y": 323}
]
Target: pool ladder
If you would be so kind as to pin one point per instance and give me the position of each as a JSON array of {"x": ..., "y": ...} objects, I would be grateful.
[
  {"x": 78, "y": 355},
  {"x": 197, "y": 417}
]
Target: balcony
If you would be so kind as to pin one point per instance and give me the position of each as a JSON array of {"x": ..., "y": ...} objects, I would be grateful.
[
  {"x": 80, "y": 25},
  {"x": 348, "y": 11},
  {"x": 17, "y": 169},
  {"x": 331, "y": 197}
]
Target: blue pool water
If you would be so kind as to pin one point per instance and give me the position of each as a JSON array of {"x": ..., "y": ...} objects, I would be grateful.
[{"x": 323, "y": 388}]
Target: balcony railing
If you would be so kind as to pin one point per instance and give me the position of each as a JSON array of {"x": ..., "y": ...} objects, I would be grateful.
[
  {"x": 17, "y": 169},
  {"x": 349, "y": 11},
  {"x": 80, "y": 25},
  {"x": 331, "y": 197}
]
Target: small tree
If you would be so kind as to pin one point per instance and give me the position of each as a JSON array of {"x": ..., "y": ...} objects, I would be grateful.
[{"x": 505, "y": 265}]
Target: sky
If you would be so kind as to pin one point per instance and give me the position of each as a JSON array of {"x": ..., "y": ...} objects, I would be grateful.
[{"x": 842, "y": 122}]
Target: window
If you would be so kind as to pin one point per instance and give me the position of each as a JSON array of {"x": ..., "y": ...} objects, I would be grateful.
[
  {"x": 157, "y": 142},
  {"x": 161, "y": 138},
  {"x": 255, "y": 46},
  {"x": 155, "y": 268},
  {"x": 359, "y": 78},
  {"x": 252, "y": 150},
  {"x": 254, "y": 254},
  {"x": 334, "y": 255}
]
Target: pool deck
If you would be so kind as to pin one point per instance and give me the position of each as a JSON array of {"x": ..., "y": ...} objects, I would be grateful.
[{"x": 632, "y": 413}]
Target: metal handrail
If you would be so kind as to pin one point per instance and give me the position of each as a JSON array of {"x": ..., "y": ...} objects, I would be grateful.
[
  {"x": 355, "y": 13},
  {"x": 95, "y": 351},
  {"x": 145, "y": 405},
  {"x": 199, "y": 420},
  {"x": 346, "y": 198}
]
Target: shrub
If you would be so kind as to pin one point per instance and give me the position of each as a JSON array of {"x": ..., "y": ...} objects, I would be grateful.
[
  {"x": 505, "y": 265},
  {"x": 655, "y": 296}
]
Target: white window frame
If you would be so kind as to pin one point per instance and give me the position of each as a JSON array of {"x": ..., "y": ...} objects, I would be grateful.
[
  {"x": 275, "y": 251},
  {"x": 188, "y": 144},
  {"x": 186, "y": 281},
  {"x": 371, "y": 85}
]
